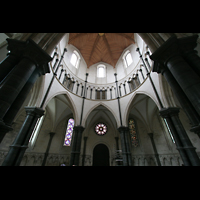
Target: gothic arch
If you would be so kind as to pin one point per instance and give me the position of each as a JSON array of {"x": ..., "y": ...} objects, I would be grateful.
[
  {"x": 71, "y": 102},
  {"x": 129, "y": 105},
  {"x": 94, "y": 107}
]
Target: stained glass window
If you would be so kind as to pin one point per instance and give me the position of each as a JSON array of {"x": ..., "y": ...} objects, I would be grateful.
[
  {"x": 101, "y": 129},
  {"x": 133, "y": 133},
  {"x": 68, "y": 135}
]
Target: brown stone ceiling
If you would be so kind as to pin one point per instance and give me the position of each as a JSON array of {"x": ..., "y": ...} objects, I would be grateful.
[{"x": 101, "y": 47}]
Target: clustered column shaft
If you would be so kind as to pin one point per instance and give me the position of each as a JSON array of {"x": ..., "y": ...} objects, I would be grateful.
[{"x": 173, "y": 61}]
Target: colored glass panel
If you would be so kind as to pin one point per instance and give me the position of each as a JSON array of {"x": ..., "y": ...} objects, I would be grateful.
[
  {"x": 133, "y": 133},
  {"x": 69, "y": 131},
  {"x": 101, "y": 129}
]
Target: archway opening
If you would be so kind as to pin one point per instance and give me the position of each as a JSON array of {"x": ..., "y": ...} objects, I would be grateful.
[{"x": 101, "y": 155}]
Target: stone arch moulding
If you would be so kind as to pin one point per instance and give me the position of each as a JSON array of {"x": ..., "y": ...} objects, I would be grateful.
[
  {"x": 73, "y": 107},
  {"x": 95, "y": 106},
  {"x": 128, "y": 108}
]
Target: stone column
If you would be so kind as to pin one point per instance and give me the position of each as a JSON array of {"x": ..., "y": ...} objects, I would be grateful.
[
  {"x": 182, "y": 135},
  {"x": 117, "y": 143},
  {"x": 170, "y": 55},
  {"x": 182, "y": 98},
  {"x": 16, "y": 85},
  {"x": 187, "y": 45},
  {"x": 155, "y": 149},
  {"x": 126, "y": 155},
  {"x": 84, "y": 149},
  {"x": 14, "y": 108},
  {"x": 15, "y": 48},
  {"x": 127, "y": 137},
  {"x": 20, "y": 142},
  {"x": 48, "y": 147},
  {"x": 76, "y": 145},
  {"x": 165, "y": 113},
  {"x": 13, "y": 83}
]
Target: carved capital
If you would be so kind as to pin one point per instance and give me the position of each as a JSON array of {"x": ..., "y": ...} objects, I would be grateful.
[
  {"x": 16, "y": 47},
  {"x": 166, "y": 51},
  {"x": 187, "y": 44},
  {"x": 78, "y": 129},
  {"x": 168, "y": 112},
  {"x": 34, "y": 111},
  {"x": 29, "y": 49},
  {"x": 123, "y": 129}
]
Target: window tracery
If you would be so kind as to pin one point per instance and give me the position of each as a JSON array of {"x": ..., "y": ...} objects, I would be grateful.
[{"x": 101, "y": 129}]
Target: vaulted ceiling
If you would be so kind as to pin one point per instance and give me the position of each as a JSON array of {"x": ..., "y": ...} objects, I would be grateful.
[{"x": 101, "y": 47}]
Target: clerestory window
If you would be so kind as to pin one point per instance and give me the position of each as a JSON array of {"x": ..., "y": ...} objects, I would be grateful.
[
  {"x": 75, "y": 59},
  {"x": 127, "y": 58},
  {"x": 101, "y": 71}
]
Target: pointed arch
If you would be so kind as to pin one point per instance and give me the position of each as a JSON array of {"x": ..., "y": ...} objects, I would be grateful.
[
  {"x": 71, "y": 103},
  {"x": 94, "y": 107},
  {"x": 129, "y": 105}
]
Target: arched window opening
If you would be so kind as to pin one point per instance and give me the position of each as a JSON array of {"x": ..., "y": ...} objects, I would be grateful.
[
  {"x": 75, "y": 59},
  {"x": 101, "y": 71},
  {"x": 169, "y": 131},
  {"x": 133, "y": 132},
  {"x": 36, "y": 131},
  {"x": 127, "y": 58},
  {"x": 69, "y": 132}
]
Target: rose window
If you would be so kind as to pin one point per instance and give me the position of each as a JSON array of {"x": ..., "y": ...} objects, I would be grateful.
[{"x": 100, "y": 129}]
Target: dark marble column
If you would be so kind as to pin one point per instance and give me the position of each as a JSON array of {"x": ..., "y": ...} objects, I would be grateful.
[
  {"x": 182, "y": 98},
  {"x": 13, "y": 83},
  {"x": 165, "y": 113},
  {"x": 51, "y": 134},
  {"x": 76, "y": 145},
  {"x": 185, "y": 147},
  {"x": 126, "y": 155},
  {"x": 84, "y": 149},
  {"x": 15, "y": 48},
  {"x": 15, "y": 154},
  {"x": 169, "y": 55},
  {"x": 124, "y": 88},
  {"x": 187, "y": 45},
  {"x": 155, "y": 149},
  {"x": 16, "y": 85},
  {"x": 14, "y": 108}
]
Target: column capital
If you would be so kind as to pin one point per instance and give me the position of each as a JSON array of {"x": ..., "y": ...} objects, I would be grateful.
[
  {"x": 38, "y": 56},
  {"x": 35, "y": 111},
  {"x": 79, "y": 128},
  {"x": 167, "y": 50},
  {"x": 123, "y": 129},
  {"x": 15, "y": 47},
  {"x": 29, "y": 49},
  {"x": 170, "y": 111},
  {"x": 52, "y": 134},
  {"x": 150, "y": 135},
  {"x": 187, "y": 44}
]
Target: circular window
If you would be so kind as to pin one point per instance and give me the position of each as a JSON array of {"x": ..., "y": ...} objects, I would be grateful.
[{"x": 100, "y": 129}]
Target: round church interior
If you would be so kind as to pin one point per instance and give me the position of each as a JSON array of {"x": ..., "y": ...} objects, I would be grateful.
[{"x": 99, "y": 99}]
